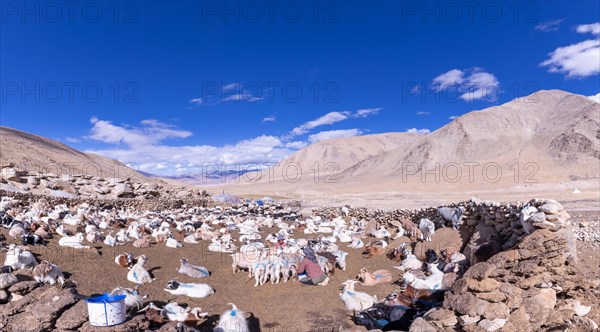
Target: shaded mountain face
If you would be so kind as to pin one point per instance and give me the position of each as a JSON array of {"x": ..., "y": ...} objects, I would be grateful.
[{"x": 34, "y": 153}]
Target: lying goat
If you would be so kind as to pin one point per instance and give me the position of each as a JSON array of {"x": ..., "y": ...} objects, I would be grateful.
[
  {"x": 375, "y": 277},
  {"x": 189, "y": 289},
  {"x": 353, "y": 300},
  {"x": 192, "y": 270}
]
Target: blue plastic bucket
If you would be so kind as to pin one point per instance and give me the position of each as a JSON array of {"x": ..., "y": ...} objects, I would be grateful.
[{"x": 106, "y": 310}]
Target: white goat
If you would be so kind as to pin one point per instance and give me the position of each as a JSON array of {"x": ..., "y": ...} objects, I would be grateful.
[
  {"x": 73, "y": 241},
  {"x": 356, "y": 243},
  {"x": 189, "y": 289},
  {"x": 192, "y": 270},
  {"x": 356, "y": 301},
  {"x": 19, "y": 259},
  {"x": 427, "y": 228},
  {"x": 172, "y": 243},
  {"x": 138, "y": 273},
  {"x": 132, "y": 299},
  {"x": 232, "y": 321},
  {"x": 46, "y": 272},
  {"x": 432, "y": 282}
]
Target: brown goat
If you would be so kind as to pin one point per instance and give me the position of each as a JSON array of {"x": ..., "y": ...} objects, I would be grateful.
[{"x": 375, "y": 249}]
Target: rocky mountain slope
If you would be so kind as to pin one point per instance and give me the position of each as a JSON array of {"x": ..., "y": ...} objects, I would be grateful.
[
  {"x": 34, "y": 153},
  {"x": 550, "y": 136}
]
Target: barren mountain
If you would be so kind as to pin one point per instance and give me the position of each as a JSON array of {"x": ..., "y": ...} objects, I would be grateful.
[
  {"x": 39, "y": 154},
  {"x": 551, "y": 136},
  {"x": 346, "y": 152}
]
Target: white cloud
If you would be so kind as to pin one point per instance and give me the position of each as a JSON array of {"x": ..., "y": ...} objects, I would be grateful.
[
  {"x": 151, "y": 132},
  {"x": 472, "y": 84},
  {"x": 595, "y": 98},
  {"x": 547, "y": 26},
  {"x": 422, "y": 113},
  {"x": 363, "y": 113},
  {"x": 453, "y": 117},
  {"x": 451, "y": 77},
  {"x": 418, "y": 131},
  {"x": 269, "y": 118},
  {"x": 143, "y": 146},
  {"x": 324, "y": 135},
  {"x": 576, "y": 61},
  {"x": 593, "y": 28},
  {"x": 230, "y": 92},
  {"x": 72, "y": 139},
  {"x": 331, "y": 118},
  {"x": 327, "y": 119},
  {"x": 237, "y": 97}
]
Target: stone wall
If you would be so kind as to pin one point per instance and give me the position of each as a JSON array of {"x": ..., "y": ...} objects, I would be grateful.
[{"x": 530, "y": 284}]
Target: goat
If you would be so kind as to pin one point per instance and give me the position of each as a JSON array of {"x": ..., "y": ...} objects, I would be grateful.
[
  {"x": 374, "y": 278},
  {"x": 432, "y": 282},
  {"x": 125, "y": 260},
  {"x": 353, "y": 300},
  {"x": 46, "y": 272},
  {"x": 19, "y": 259},
  {"x": 485, "y": 251},
  {"x": 427, "y": 228},
  {"x": 410, "y": 261},
  {"x": 94, "y": 236},
  {"x": 172, "y": 243},
  {"x": 454, "y": 215},
  {"x": 6, "y": 269},
  {"x": 341, "y": 259},
  {"x": 189, "y": 289},
  {"x": 375, "y": 249},
  {"x": 174, "y": 312},
  {"x": 525, "y": 218},
  {"x": 432, "y": 258},
  {"x": 381, "y": 233},
  {"x": 357, "y": 242},
  {"x": 232, "y": 320},
  {"x": 73, "y": 241},
  {"x": 138, "y": 273},
  {"x": 132, "y": 299},
  {"x": 143, "y": 242},
  {"x": 192, "y": 270},
  {"x": 455, "y": 261},
  {"x": 412, "y": 229},
  {"x": 43, "y": 232},
  {"x": 17, "y": 231},
  {"x": 32, "y": 239}
]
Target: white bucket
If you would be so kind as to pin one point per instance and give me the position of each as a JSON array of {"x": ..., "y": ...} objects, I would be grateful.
[{"x": 106, "y": 310}]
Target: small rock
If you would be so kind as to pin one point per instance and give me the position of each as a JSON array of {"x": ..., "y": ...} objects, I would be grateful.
[
  {"x": 585, "y": 323},
  {"x": 4, "y": 296},
  {"x": 492, "y": 325},
  {"x": 421, "y": 325},
  {"x": 7, "y": 280},
  {"x": 552, "y": 207},
  {"x": 468, "y": 320},
  {"x": 23, "y": 287}
]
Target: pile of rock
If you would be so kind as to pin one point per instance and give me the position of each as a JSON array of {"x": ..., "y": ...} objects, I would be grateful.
[
  {"x": 27, "y": 306},
  {"x": 87, "y": 186},
  {"x": 531, "y": 287}
]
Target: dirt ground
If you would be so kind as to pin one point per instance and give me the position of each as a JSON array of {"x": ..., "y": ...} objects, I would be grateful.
[{"x": 287, "y": 306}]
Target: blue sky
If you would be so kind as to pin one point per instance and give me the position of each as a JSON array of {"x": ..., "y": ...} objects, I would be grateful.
[{"x": 172, "y": 85}]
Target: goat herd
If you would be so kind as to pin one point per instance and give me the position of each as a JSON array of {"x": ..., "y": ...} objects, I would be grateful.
[{"x": 240, "y": 230}]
